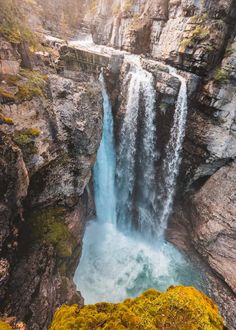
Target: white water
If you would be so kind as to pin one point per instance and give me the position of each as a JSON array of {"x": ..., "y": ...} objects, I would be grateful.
[
  {"x": 173, "y": 151},
  {"x": 140, "y": 85},
  {"x": 116, "y": 264}
]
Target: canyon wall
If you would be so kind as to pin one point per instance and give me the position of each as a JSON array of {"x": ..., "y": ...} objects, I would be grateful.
[{"x": 50, "y": 130}]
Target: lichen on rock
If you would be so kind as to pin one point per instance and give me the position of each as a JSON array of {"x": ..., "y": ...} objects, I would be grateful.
[{"x": 179, "y": 307}]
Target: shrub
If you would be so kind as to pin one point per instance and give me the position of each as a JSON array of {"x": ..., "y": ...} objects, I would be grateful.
[{"x": 179, "y": 307}]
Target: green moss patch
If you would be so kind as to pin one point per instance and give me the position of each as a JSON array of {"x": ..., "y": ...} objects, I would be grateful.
[
  {"x": 25, "y": 139},
  {"x": 29, "y": 83},
  {"x": 33, "y": 84},
  {"x": 47, "y": 225},
  {"x": 221, "y": 76},
  {"x": 182, "y": 308},
  {"x": 199, "y": 34}
]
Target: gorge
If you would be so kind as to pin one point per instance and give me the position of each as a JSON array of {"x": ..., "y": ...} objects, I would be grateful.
[{"x": 117, "y": 154}]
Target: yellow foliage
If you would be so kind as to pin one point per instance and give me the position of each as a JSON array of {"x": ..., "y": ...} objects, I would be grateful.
[
  {"x": 8, "y": 120},
  {"x": 182, "y": 308},
  {"x": 30, "y": 83},
  {"x": 6, "y": 96},
  {"x": 5, "y": 326}
]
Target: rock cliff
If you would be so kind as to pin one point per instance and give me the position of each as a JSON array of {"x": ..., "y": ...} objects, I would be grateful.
[{"x": 50, "y": 130}]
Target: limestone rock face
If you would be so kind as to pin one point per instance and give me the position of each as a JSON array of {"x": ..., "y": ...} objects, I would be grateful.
[
  {"x": 213, "y": 219},
  {"x": 48, "y": 146},
  {"x": 200, "y": 29},
  {"x": 9, "y": 59}
]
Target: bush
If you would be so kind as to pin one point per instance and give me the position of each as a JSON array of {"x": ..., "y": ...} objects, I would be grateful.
[{"x": 179, "y": 307}]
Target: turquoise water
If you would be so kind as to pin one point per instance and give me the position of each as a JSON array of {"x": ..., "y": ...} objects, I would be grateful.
[{"x": 118, "y": 263}]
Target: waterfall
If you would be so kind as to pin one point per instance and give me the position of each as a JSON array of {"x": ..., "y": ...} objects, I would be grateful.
[
  {"x": 173, "y": 151},
  {"x": 119, "y": 264},
  {"x": 104, "y": 169},
  {"x": 133, "y": 164}
]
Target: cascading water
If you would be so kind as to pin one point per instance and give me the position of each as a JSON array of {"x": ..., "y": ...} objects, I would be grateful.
[
  {"x": 173, "y": 152},
  {"x": 104, "y": 169},
  {"x": 119, "y": 264},
  {"x": 140, "y": 88}
]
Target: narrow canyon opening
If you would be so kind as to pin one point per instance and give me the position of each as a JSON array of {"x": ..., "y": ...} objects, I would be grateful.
[{"x": 125, "y": 251}]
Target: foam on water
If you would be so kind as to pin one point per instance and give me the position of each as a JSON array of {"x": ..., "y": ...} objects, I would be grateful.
[{"x": 116, "y": 264}]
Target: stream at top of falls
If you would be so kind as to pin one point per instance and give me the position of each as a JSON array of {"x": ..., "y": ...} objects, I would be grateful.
[{"x": 124, "y": 251}]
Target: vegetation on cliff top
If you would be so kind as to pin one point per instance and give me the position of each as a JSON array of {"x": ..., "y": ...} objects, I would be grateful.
[
  {"x": 12, "y": 24},
  {"x": 182, "y": 308}
]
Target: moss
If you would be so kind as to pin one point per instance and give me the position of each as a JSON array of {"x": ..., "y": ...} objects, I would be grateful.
[
  {"x": 5, "y": 326},
  {"x": 198, "y": 34},
  {"x": 35, "y": 132},
  {"x": 30, "y": 83},
  {"x": 221, "y": 75},
  {"x": 116, "y": 10},
  {"x": 182, "y": 308},
  {"x": 6, "y": 96},
  {"x": 26, "y": 140},
  {"x": 33, "y": 85},
  {"x": 229, "y": 51},
  {"x": 46, "y": 225},
  {"x": 93, "y": 6},
  {"x": 127, "y": 5}
]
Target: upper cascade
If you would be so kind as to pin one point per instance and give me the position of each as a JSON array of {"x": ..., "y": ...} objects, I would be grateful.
[
  {"x": 104, "y": 169},
  {"x": 173, "y": 151},
  {"x": 137, "y": 151}
]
